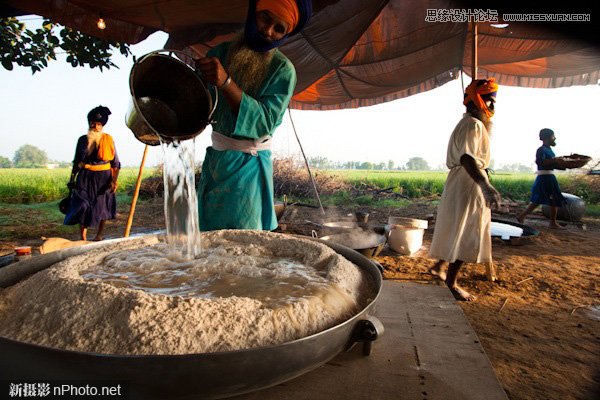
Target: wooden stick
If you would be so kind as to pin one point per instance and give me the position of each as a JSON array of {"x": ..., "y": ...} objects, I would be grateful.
[
  {"x": 474, "y": 53},
  {"x": 503, "y": 304},
  {"x": 136, "y": 192},
  {"x": 524, "y": 280}
]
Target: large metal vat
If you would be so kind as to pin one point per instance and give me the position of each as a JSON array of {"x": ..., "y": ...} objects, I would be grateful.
[{"x": 198, "y": 376}]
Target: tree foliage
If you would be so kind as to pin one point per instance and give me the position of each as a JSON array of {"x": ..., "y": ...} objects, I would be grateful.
[
  {"x": 5, "y": 162},
  {"x": 33, "y": 49},
  {"x": 516, "y": 167},
  {"x": 324, "y": 163},
  {"x": 417, "y": 164},
  {"x": 28, "y": 156}
]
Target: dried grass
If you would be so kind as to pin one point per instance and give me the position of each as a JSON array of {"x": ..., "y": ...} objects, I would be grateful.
[{"x": 293, "y": 180}]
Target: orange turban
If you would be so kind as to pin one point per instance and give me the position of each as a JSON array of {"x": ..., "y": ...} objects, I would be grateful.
[
  {"x": 286, "y": 10},
  {"x": 476, "y": 89}
]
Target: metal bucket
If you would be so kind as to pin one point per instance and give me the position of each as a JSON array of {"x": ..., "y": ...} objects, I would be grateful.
[
  {"x": 205, "y": 375},
  {"x": 572, "y": 211},
  {"x": 169, "y": 100}
]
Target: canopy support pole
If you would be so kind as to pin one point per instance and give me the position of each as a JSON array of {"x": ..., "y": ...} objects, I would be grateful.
[
  {"x": 135, "y": 194},
  {"x": 306, "y": 162},
  {"x": 474, "y": 52}
]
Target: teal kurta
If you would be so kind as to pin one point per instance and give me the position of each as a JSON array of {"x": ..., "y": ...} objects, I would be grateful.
[{"x": 236, "y": 188}]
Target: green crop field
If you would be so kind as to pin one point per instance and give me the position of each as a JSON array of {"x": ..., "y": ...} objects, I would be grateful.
[
  {"x": 416, "y": 184},
  {"x": 38, "y": 185},
  {"x": 31, "y": 186}
]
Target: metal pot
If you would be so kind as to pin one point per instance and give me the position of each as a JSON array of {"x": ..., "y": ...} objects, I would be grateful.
[
  {"x": 206, "y": 375},
  {"x": 169, "y": 100},
  {"x": 572, "y": 211},
  {"x": 341, "y": 225},
  {"x": 367, "y": 243}
]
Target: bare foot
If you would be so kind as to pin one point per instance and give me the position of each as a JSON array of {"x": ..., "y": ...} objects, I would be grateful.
[
  {"x": 436, "y": 270},
  {"x": 98, "y": 239},
  {"x": 461, "y": 294},
  {"x": 556, "y": 226}
]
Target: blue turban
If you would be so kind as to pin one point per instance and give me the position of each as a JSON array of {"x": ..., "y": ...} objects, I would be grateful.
[
  {"x": 98, "y": 114},
  {"x": 257, "y": 42},
  {"x": 546, "y": 133}
]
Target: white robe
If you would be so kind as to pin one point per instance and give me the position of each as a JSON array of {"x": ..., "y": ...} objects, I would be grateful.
[{"x": 462, "y": 227}]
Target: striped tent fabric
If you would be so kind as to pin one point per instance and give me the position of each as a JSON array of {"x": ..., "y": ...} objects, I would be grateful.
[{"x": 357, "y": 53}]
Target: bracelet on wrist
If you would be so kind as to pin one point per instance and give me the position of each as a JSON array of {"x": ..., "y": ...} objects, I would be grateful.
[{"x": 226, "y": 83}]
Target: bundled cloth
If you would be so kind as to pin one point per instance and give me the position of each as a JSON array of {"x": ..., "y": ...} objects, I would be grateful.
[
  {"x": 478, "y": 88},
  {"x": 106, "y": 148}
]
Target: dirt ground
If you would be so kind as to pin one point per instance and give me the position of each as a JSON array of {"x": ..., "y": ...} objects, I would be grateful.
[{"x": 539, "y": 323}]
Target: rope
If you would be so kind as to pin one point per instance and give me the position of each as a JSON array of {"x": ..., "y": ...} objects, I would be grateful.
[{"x": 306, "y": 162}]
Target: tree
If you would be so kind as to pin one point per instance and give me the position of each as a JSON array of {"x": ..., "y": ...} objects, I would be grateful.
[
  {"x": 516, "y": 167},
  {"x": 28, "y": 156},
  {"x": 390, "y": 164},
  {"x": 319, "y": 162},
  {"x": 34, "y": 49},
  {"x": 417, "y": 164},
  {"x": 5, "y": 162}
]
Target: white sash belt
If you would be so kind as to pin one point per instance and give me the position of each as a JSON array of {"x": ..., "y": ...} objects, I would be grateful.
[
  {"x": 221, "y": 142},
  {"x": 544, "y": 172}
]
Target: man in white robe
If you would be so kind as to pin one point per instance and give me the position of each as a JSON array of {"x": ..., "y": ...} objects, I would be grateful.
[{"x": 462, "y": 228}]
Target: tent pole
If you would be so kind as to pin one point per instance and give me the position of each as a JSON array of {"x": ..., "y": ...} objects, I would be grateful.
[
  {"x": 474, "y": 52},
  {"x": 135, "y": 194},
  {"x": 306, "y": 162}
]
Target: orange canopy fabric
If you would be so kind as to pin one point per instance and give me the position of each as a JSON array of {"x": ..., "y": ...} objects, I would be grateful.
[{"x": 356, "y": 53}]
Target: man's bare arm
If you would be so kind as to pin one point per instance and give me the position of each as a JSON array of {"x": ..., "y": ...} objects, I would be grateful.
[{"x": 491, "y": 195}]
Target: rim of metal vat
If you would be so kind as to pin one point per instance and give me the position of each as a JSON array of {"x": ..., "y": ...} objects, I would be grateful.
[{"x": 203, "y": 375}]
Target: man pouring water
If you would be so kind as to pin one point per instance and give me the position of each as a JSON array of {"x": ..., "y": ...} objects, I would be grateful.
[{"x": 257, "y": 82}]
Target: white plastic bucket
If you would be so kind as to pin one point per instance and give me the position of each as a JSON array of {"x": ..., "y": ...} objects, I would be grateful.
[
  {"x": 406, "y": 234},
  {"x": 405, "y": 240},
  {"x": 408, "y": 222}
]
